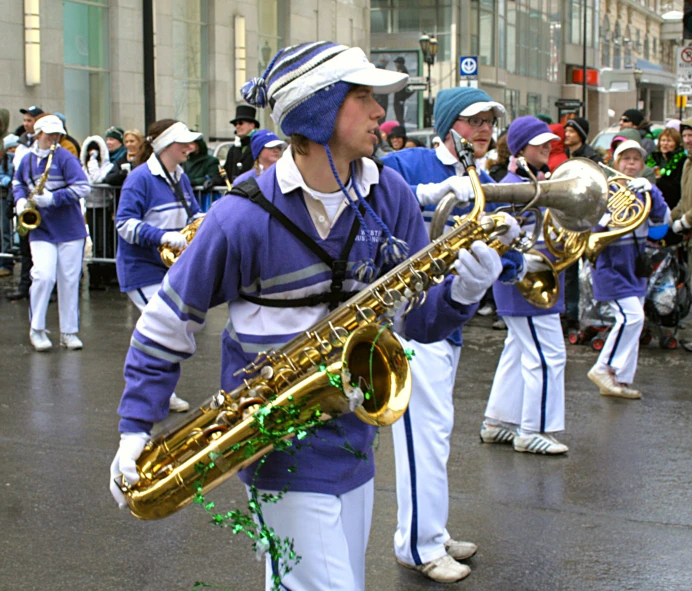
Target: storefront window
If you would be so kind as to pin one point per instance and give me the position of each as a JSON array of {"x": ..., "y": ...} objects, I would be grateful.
[
  {"x": 190, "y": 80},
  {"x": 87, "y": 67}
]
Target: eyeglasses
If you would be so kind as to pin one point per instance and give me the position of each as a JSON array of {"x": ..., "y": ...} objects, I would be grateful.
[
  {"x": 625, "y": 120},
  {"x": 479, "y": 121}
]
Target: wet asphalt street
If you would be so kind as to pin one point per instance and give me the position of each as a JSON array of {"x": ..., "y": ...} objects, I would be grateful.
[{"x": 614, "y": 514}]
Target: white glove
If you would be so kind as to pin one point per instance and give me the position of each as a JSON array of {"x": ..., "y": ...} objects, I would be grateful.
[
  {"x": 514, "y": 228},
  {"x": 478, "y": 269},
  {"x": 680, "y": 226},
  {"x": 92, "y": 165},
  {"x": 174, "y": 240},
  {"x": 20, "y": 206},
  {"x": 45, "y": 199},
  {"x": 605, "y": 220},
  {"x": 125, "y": 463},
  {"x": 94, "y": 154},
  {"x": 432, "y": 193},
  {"x": 535, "y": 263},
  {"x": 639, "y": 185}
]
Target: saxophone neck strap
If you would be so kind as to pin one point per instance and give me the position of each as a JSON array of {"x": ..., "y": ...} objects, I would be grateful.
[
  {"x": 250, "y": 190},
  {"x": 175, "y": 185}
]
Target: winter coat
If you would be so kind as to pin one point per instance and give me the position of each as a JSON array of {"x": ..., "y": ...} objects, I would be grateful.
[
  {"x": 201, "y": 166},
  {"x": 586, "y": 151},
  {"x": 239, "y": 158},
  {"x": 684, "y": 206},
  {"x": 557, "y": 147},
  {"x": 96, "y": 168},
  {"x": 670, "y": 174},
  {"x": 119, "y": 172}
]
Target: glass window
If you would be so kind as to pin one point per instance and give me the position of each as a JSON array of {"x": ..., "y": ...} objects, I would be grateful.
[
  {"x": 86, "y": 71},
  {"x": 190, "y": 80},
  {"x": 511, "y": 38},
  {"x": 533, "y": 102},
  {"x": 486, "y": 32}
]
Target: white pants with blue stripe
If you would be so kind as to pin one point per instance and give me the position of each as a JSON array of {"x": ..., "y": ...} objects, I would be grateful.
[
  {"x": 620, "y": 352},
  {"x": 421, "y": 449},
  {"x": 61, "y": 262},
  {"x": 330, "y": 534},
  {"x": 529, "y": 385},
  {"x": 142, "y": 295}
]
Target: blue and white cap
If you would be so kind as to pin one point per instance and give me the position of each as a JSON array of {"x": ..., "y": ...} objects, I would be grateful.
[{"x": 305, "y": 86}]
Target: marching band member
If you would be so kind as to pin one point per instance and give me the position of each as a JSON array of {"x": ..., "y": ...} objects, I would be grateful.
[
  {"x": 527, "y": 399},
  {"x": 266, "y": 150},
  {"x": 422, "y": 437},
  {"x": 247, "y": 255},
  {"x": 57, "y": 245},
  {"x": 156, "y": 202},
  {"x": 617, "y": 280}
]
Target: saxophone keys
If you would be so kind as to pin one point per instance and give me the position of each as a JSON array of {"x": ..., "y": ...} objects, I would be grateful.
[
  {"x": 339, "y": 335},
  {"x": 366, "y": 314}
]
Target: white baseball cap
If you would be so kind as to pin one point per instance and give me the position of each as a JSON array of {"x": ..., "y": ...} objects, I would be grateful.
[
  {"x": 49, "y": 124},
  {"x": 629, "y": 145}
]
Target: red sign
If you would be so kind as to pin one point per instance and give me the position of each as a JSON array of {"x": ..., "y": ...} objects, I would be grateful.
[{"x": 591, "y": 76}]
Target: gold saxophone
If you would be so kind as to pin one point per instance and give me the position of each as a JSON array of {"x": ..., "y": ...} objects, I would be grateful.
[
  {"x": 354, "y": 342},
  {"x": 30, "y": 218}
]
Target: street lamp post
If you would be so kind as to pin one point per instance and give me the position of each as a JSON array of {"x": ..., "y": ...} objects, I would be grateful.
[
  {"x": 637, "y": 73},
  {"x": 428, "y": 46}
]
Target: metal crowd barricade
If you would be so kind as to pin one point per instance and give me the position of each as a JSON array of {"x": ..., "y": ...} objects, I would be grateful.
[{"x": 101, "y": 208}]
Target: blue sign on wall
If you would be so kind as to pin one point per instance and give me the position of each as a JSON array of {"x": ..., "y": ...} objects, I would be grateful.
[{"x": 468, "y": 66}]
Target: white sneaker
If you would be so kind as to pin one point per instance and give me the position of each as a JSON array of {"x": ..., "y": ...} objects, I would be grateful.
[
  {"x": 443, "y": 570},
  {"x": 539, "y": 443},
  {"x": 609, "y": 386},
  {"x": 178, "y": 404},
  {"x": 486, "y": 310},
  {"x": 499, "y": 324},
  {"x": 490, "y": 434},
  {"x": 71, "y": 341},
  {"x": 460, "y": 550},
  {"x": 40, "y": 340}
]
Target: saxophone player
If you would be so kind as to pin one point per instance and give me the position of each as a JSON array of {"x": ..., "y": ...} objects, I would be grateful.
[
  {"x": 277, "y": 284},
  {"x": 57, "y": 244}
]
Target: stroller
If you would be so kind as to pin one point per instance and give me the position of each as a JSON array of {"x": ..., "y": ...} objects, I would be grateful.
[
  {"x": 667, "y": 295},
  {"x": 595, "y": 318}
]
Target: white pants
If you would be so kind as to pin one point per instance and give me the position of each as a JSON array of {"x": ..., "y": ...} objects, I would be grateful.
[
  {"x": 529, "y": 385},
  {"x": 421, "y": 450},
  {"x": 61, "y": 261},
  {"x": 142, "y": 295},
  {"x": 330, "y": 533},
  {"x": 621, "y": 349}
]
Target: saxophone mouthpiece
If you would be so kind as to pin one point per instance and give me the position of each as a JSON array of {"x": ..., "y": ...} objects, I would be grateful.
[{"x": 463, "y": 149}]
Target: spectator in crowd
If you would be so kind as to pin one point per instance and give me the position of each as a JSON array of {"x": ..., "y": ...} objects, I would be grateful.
[
  {"x": 95, "y": 160},
  {"x": 386, "y": 128},
  {"x": 557, "y": 148},
  {"x": 618, "y": 280},
  {"x": 266, "y": 150},
  {"x": 132, "y": 140},
  {"x": 156, "y": 202},
  {"x": 67, "y": 141},
  {"x": 682, "y": 212},
  {"x": 9, "y": 145},
  {"x": 576, "y": 132},
  {"x": 498, "y": 167},
  {"x": 27, "y": 137},
  {"x": 57, "y": 244},
  {"x": 413, "y": 142},
  {"x": 201, "y": 167},
  {"x": 401, "y": 96},
  {"x": 634, "y": 119},
  {"x": 381, "y": 148},
  {"x": 545, "y": 118},
  {"x": 114, "y": 141},
  {"x": 668, "y": 161},
  {"x": 397, "y": 138},
  {"x": 629, "y": 134},
  {"x": 239, "y": 157}
]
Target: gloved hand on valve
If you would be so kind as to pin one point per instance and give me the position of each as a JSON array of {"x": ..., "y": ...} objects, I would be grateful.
[
  {"x": 639, "y": 184},
  {"x": 125, "y": 463},
  {"x": 535, "y": 263},
  {"x": 20, "y": 206},
  {"x": 174, "y": 240},
  {"x": 432, "y": 193},
  {"x": 44, "y": 199},
  {"x": 478, "y": 268},
  {"x": 513, "y": 228}
]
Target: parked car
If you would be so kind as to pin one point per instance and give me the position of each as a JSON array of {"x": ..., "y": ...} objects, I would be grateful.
[{"x": 601, "y": 142}]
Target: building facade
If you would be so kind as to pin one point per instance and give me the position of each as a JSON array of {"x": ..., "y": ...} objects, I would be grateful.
[
  {"x": 532, "y": 53},
  {"x": 85, "y": 58}
]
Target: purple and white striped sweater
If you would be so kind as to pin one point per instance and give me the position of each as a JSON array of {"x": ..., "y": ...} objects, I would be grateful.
[
  {"x": 241, "y": 249},
  {"x": 63, "y": 221}
]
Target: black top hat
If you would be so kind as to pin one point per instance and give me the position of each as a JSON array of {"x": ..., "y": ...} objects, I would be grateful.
[{"x": 245, "y": 113}]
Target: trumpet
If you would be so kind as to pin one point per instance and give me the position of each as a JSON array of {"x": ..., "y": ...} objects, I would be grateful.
[{"x": 30, "y": 218}]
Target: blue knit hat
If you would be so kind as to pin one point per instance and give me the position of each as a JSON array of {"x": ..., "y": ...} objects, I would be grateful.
[
  {"x": 528, "y": 130},
  {"x": 464, "y": 100},
  {"x": 263, "y": 139},
  {"x": 305, "y": 85}
]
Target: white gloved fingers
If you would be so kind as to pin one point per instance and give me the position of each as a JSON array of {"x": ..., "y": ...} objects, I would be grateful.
[
  {"x": 605, "y": 220},
  {"x": 639, "y": 184},
  {"x": 488, "y": 258},
  {"x": 174, "y": 240},
  {"x": 114, "y": 488},
  {"x": 131, "y": 446},
  {"x": 535, "y": 263},
  {"x": 513, "y": 228},
  {"x": 461, "y": 187},
  {"x": 431, "y": 193},
  {"x": 44, "y": 199},
  {"x": 468, "y": 264},
  {"x": 20, "y": 206}
]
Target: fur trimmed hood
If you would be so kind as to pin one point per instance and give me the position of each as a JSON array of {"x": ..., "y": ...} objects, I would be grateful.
[{"x": 88, "y": 144}]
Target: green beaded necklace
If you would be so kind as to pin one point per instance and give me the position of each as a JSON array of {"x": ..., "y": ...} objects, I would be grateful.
[{"x": 670, "y": 165}]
